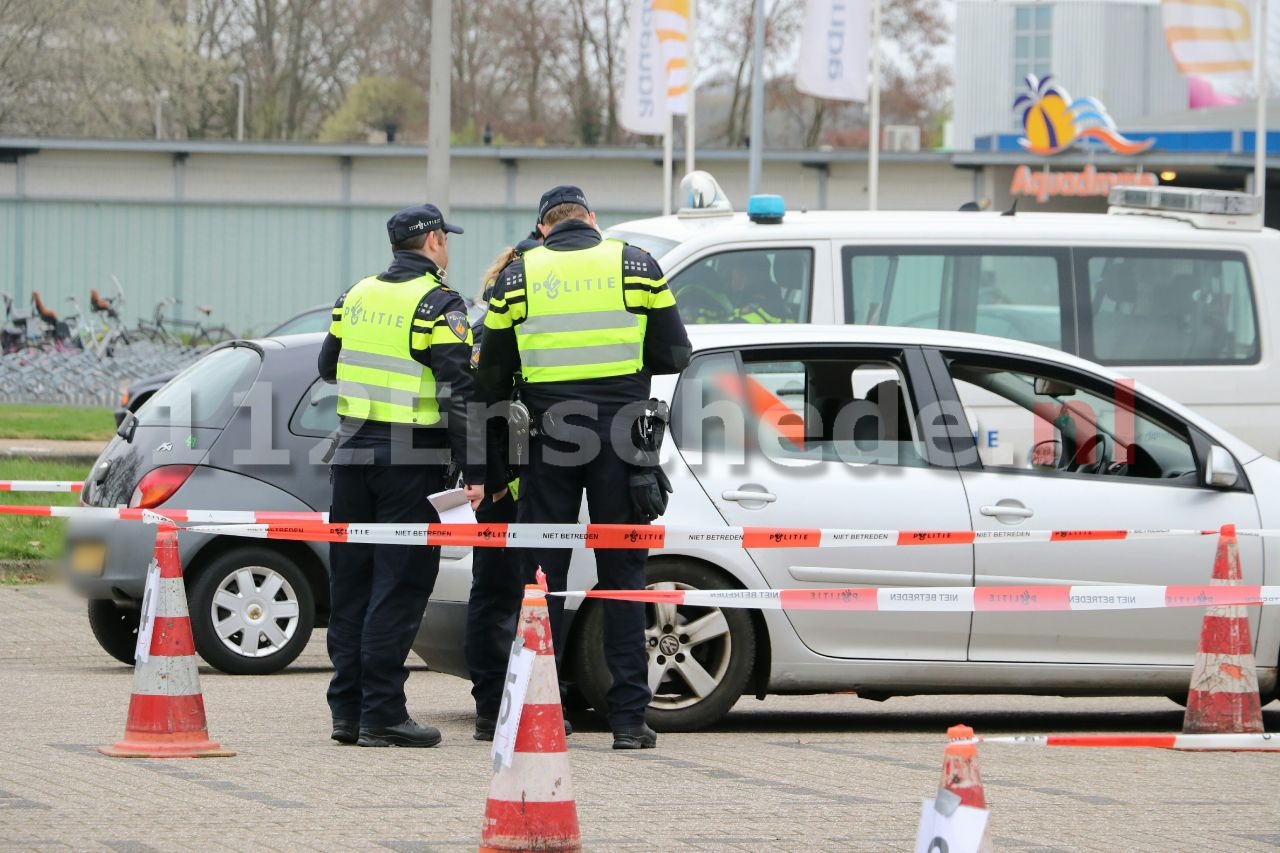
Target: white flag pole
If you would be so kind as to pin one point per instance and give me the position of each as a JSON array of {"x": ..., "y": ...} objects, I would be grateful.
[
  {"x": 873, "y": 151},
  {"x": 690, "y": 123},
  {"x": 756, "y": 150},
  {"x": 666, "y": 168},
  {"x": 1260, "y": 114}
]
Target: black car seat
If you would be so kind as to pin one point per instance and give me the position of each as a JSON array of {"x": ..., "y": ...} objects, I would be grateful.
[{"x": 791, "y": 275}]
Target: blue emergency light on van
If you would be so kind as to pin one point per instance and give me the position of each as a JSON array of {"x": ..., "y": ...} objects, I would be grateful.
[{"x": 766, "y": 209}]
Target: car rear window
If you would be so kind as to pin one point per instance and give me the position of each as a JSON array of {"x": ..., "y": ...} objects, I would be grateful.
[{"x": 206, "y": 393}]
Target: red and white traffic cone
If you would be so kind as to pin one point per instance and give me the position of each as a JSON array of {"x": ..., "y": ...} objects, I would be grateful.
[
  {"x": 960, "y": 775},
  {"x": 1224, "y": 684},
  {"x": 531, "y": 804},
  {"x": 166, "y": 713}
]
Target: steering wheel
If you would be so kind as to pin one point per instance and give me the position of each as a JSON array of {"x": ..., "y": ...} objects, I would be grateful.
[{"x": 703, "y": 305}]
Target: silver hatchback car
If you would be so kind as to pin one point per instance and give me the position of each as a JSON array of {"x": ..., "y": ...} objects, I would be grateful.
[{"x": 782, "y": 426}]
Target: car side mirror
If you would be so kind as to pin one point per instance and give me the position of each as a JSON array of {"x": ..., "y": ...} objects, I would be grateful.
[{"x": 1220, "y": 469}]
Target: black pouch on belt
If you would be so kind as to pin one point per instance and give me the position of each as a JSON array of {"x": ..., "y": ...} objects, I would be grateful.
[{"x": 648, "y": 482}]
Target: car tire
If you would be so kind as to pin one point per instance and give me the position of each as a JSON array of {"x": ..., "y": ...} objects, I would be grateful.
[
  {"x": 723, "y": 656},
  {"x": 115, "y": 628},
  {"x": 252, "y": 611}
]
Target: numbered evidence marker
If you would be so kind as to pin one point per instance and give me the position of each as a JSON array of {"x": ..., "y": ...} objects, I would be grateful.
[
  {"x": 147, "y": 614},
  {"x": 519, "y": 669},
  {"x": 948, "y": 827}
]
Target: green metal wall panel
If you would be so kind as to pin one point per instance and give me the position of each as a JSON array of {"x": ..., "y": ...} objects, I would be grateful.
[{"x": 254, "y": 264}]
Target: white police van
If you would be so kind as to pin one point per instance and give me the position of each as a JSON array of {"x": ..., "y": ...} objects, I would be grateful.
[{"x": 1169, "y": 287}]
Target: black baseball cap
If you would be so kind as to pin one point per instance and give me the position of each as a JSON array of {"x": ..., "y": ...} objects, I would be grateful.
[
  {"x": 416, "y": 220},
  {"x": 563, "y": 194}
]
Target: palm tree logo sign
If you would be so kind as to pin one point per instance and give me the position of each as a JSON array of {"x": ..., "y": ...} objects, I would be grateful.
[{"x": 1052, "y": 122}]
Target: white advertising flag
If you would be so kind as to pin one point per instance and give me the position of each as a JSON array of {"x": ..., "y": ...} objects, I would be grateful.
[
  {"x": 644, "y": 104},
  {"x": 671, "y": 20},
  {"x": 834, "y": 50},
  {"x": 1211, "y": 39}
]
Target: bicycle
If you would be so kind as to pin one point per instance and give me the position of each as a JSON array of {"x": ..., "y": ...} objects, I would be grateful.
[{"x": 200, "y": 336}]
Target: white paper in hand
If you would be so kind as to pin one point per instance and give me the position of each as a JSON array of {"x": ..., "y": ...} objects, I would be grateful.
[
  {"x": 959, "y": 832},
  {"x": 453, "y": 507}
]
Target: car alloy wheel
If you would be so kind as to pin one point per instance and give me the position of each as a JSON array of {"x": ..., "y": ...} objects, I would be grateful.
[
  {"x": 690, "y": 649},
  {"x": 700, "y": 659},
  {"x": 255, "y": 612},
  {"x": 252, "y": 611}
]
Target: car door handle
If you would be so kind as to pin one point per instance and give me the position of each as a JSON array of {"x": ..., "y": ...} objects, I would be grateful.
[
  {"x": 749, "y": 495},
  {"x": 999, "y": 510}
]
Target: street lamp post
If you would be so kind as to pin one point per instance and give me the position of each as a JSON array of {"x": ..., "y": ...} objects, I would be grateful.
[
  {"x": 439, "y": 110},
  {"x": 161, "y": 97},
  {"x": 240, "y": 85}
]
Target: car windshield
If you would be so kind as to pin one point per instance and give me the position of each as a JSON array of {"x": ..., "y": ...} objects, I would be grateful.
[
  {"x": 656, "y": 246},
  {"x": 206, "y": 393},
  {"x": 312, "y": 321}
]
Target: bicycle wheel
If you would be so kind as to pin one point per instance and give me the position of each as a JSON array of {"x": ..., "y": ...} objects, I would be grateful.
[{"x": 209, "y": 337}]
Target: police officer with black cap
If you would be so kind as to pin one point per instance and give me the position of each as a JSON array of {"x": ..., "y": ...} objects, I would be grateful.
[
  {"x": 585, "y": 322},
  {"x": 399, "y": 348}
]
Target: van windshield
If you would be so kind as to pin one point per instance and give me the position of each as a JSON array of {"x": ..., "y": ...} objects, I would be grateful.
[{"x": 206, "y": 393}]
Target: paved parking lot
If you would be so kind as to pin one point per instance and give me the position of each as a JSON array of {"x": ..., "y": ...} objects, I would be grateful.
[{"x": 790, "y": 773}]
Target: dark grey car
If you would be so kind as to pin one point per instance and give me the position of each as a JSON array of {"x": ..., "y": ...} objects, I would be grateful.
[{"x": 252, "y": 424}]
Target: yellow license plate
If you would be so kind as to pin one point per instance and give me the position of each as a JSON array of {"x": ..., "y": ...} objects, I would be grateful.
[{"x": 88, "y": 558}]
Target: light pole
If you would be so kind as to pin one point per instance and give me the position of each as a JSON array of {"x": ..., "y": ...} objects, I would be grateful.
[
  {"x": 240, "y": 84},
  {"x": 439, "y": 110},
  {"x": 161, "y": 97},
  {"x": 756, "y": 151}
]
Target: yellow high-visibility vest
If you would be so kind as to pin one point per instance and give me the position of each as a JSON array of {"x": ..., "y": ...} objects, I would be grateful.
[
  {"x": 576, "y": 324},
  {"x": 378, "y": 379}
]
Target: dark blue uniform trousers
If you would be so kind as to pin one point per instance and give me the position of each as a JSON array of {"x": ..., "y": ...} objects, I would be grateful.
[
  {"x": 378, "y": 592},
  {"x": 497, "y": 588},
  {"x": 551, "y": 493}
]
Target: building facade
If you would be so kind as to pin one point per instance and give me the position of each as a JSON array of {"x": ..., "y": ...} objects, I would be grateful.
[
  {"x": 1107, "y": 49},
  {"x": 259, "y": 231}
]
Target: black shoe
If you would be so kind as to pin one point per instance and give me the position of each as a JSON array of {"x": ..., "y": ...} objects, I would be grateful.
[
  {"x": 407, "y": 733},
  {"x": 345, "y": 731},
  {"x": 487, "y": 726},
  {"x": 635, "y": 737}
]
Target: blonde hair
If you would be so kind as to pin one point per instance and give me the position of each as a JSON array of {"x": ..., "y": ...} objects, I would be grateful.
[{"x": 500, "y": 262}]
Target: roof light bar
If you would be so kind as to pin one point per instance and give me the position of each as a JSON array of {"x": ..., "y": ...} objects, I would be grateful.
[{"x": 1202, "y": 208}]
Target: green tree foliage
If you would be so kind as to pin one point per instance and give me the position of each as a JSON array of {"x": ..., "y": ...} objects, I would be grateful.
[{"x": 375, "y": 105}]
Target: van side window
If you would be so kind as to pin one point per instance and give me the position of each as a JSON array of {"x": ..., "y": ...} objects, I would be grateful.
[
  {"x": 751, "y": 286},
  {"x": 1167, "y": 306},
  {"x": 1008, "y": 293}
]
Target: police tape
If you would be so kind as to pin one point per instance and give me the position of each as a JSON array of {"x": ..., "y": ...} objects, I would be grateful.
[
  {"x": 1224, "y": 742},
  {"x": 40, "y": 486},
  {"x": 657, "y": 536},
  {"x": 961, "y": 599},
  {"x": 182, "y": 516},
  {"x": 315, "y": 527}
]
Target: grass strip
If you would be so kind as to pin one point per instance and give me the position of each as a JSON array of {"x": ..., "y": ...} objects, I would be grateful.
[
  {"x": 32, "y": 538},
  {"x": 56, "y": 423}
]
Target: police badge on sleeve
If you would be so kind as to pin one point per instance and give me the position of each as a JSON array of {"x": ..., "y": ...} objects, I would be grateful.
[{"x": 457, "y": 321}]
